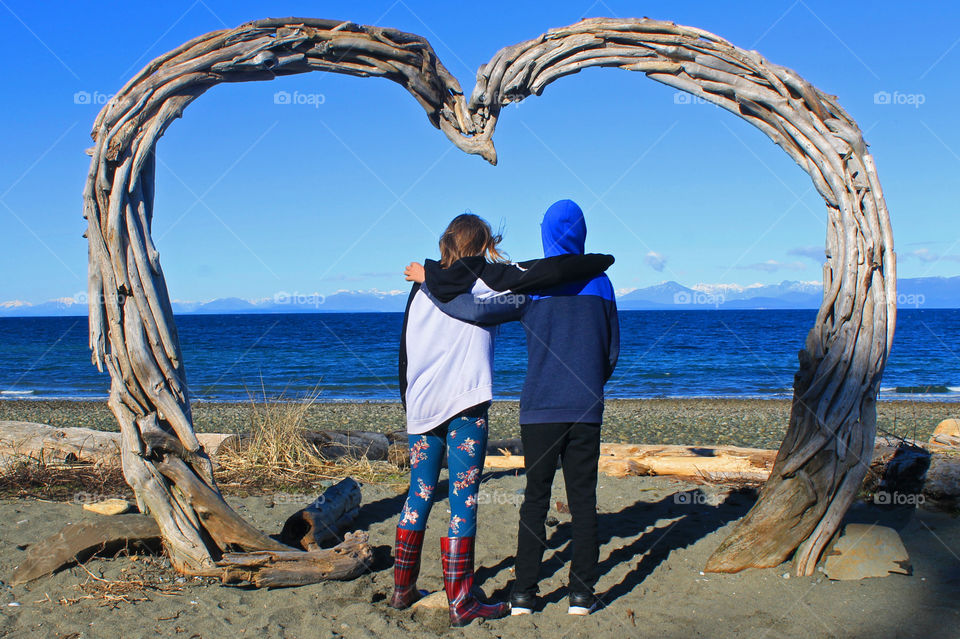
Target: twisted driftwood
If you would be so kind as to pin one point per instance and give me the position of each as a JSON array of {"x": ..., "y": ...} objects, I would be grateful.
[{"x": 132, "y": 332}]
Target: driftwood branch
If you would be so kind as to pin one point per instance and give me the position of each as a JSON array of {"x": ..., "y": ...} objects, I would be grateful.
[
  {"x": 279, "y": 569},
  {"x": 78, "y": 542},
  {"x": 324, "y": 519}
]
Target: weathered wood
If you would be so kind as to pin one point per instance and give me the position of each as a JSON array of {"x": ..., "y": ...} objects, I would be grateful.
[
  {"x": 941, "y": 486},
  {"x": 826, "y": 451},
  {"x": 724, "y": 463},
  {"x": 325, "y": 518},
  {"x": 80, "y": 541},
  {"x": 224, "y": 525},
  {"x": 48, "y": 443},
  {"x": 347, "y": 560}
]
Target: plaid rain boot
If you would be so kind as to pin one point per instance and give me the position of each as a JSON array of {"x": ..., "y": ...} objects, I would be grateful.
[
  {"x": 406, "y": 568},
  {"x": 457, "y": 556}
]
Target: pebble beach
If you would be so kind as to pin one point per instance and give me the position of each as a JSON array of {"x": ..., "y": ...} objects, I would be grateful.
[{"x": 700, "y": 422}]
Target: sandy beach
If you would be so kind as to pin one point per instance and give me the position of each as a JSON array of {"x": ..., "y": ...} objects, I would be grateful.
[{"x": 656, "y": 536}]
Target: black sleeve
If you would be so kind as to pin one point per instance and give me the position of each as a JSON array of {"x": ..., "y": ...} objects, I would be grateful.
[
  {"x": 614, "y": 354},
  {"x": 402, "y": 368},
  {"x": 458, "y": 279},
  {"x": 537, "y": 275}
]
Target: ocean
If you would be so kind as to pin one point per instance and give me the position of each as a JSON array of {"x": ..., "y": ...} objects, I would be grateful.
[{"x": 353, "y": 356}]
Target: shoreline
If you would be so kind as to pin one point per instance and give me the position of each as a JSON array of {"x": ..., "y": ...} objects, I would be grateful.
[{"x": 751, "y": 423}]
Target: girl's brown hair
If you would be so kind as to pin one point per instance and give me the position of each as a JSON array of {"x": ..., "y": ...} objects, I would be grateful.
[{"x": 468, "y": 235}]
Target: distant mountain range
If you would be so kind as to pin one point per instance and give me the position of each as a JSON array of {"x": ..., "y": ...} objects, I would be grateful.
[
  {"x": 339, "y": 302},
  {"x": 923, "y": 292},
  {"x": 920, "y": 292}
]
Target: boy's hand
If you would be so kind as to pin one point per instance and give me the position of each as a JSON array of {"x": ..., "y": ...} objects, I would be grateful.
[{"x": 414, "y": 272}]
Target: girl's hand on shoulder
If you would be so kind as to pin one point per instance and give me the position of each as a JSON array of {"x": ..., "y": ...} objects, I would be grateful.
[{"x": 414, "y": 272}]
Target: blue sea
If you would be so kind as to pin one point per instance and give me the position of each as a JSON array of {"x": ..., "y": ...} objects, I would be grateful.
[{"x": 353, "y": 356}]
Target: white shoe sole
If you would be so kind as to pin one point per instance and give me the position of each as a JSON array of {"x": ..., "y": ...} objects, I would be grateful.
[
  {"x": 516, "y": 612},
  {"x": 580, "y": 611}
]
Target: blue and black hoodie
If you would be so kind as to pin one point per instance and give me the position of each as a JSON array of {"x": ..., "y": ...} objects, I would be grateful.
[{"x": 573, "y": 334}]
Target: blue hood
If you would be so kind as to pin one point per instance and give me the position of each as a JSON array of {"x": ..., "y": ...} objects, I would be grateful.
[{"x": 564, "y": 231}]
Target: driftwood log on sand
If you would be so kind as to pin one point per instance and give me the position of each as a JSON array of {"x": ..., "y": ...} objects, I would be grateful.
[
  {"x": 325, "y": 518},
  {"x": 80, "y": 541},
  {"x": 721, "y": 463},
  {"x": 48, "y": 443},
  {"x": 278, "y": 569}
]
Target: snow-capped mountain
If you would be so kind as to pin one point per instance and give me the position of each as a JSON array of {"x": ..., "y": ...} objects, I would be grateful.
[{"x": 926, "y": 292}]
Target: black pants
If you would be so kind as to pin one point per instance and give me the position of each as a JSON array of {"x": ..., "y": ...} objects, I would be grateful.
[{"x": 578, "y": 448}]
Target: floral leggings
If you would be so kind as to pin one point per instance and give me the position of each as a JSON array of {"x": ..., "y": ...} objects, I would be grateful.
[{"x": 466, "y": 438}]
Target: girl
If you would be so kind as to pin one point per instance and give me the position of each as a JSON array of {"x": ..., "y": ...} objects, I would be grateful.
[{"x": 446, "y": 375}]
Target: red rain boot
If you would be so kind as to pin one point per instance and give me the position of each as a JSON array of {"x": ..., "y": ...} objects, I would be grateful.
[
  {"x": 406, "y": 568},
  {"x": 457, "y": 556}
]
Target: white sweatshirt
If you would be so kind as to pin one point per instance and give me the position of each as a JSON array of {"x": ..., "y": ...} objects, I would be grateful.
[{"x": 449, "y": 363}]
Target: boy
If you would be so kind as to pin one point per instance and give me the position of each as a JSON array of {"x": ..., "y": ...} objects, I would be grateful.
[{"x": 573, "y": 340}]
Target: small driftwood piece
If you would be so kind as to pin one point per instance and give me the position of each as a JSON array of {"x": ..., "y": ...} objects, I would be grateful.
[
  {"x": 265, "y": 569},
  {"x": 324, "y": 519},
  {"x": 941, "y": 487},
  {"x": 80, "y": 541}
]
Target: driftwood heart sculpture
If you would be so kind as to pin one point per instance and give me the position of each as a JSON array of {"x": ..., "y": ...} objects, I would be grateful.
[{"x": 829, "y": 443}]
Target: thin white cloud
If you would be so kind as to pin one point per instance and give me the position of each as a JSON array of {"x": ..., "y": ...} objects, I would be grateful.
[
  {"x": 815, "y": 253},
  {"x": 926, "y": 255},
  {"x": 772, "y": 266},
  {"x": 656, "y": 261}
]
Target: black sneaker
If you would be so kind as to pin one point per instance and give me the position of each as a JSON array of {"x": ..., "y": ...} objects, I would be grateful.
[
  {"x": 522, "y": 603},
  {"x": 582, "y": 603}
]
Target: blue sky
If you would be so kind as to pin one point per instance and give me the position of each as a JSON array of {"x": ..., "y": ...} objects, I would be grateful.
[{"x": 340, "y": 191}]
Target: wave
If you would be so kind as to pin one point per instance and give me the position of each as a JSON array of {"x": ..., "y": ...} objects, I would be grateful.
[
  {"x": 933, "y": 389},
  {"x": 17, "y": 393}
]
